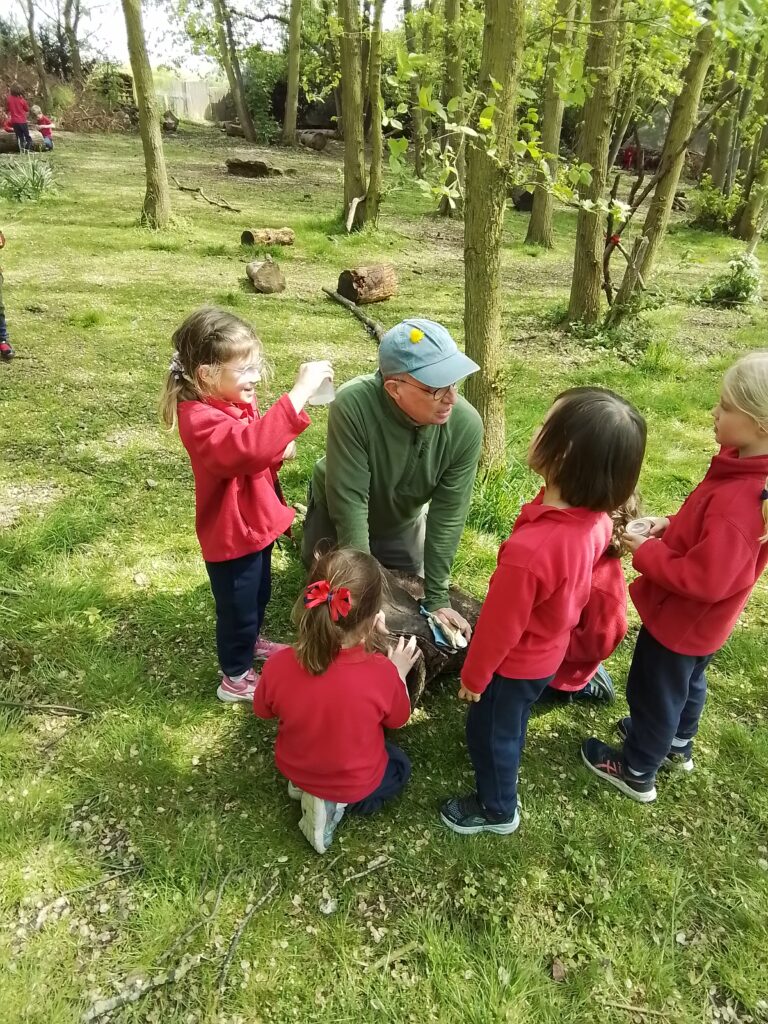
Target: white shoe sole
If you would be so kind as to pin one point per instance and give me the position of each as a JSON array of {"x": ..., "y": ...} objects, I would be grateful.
[
  {"x": 233, "y": 698},
  {"x": 313, "y": 825},
  {"x": 620, "y": 784},
  {"x": 503, "y": 829}
]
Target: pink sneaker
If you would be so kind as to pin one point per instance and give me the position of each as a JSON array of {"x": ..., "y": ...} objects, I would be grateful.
[
  {"x": 266, "y": 648},
  {"x": 232, "y": 693}
]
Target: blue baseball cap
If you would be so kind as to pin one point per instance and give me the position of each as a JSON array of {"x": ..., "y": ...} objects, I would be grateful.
[{"x": 426, "y": 351}]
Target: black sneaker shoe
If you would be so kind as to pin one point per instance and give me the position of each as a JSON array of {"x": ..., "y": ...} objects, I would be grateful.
[
  {"x": 600, "y": 687},
  {"x": 6, "y": 351},
  {"x": 678, "y": 758},
  {"x": 608, "y": 763},
  {"x": 465, "y": 815}
]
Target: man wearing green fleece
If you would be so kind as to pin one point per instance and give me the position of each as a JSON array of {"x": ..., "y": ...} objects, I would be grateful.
[{"x": 400, "y": 462}]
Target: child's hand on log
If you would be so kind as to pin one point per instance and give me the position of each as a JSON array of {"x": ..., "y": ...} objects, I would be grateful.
[
  {"x": 404, "y": 656},
  {"x": 468, "y": 695},
  {"x": 380, "y": 624}
]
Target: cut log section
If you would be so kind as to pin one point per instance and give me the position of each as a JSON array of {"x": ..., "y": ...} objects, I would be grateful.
[
  {"x": 266, "y": 276},
  {"x": 314, "y": 140},
  {"x": 252, "y": 168},
  {"x": 267, "y": 236},
  {"x": 234, "y": 130},
  {"x": 363, "y": 285}
]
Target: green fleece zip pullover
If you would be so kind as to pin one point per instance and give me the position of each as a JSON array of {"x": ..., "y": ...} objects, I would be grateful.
[{"x": 381, "y": 469}]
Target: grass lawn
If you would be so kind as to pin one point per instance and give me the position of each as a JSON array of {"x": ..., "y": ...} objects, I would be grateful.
[{"x": 162, "y": 809}]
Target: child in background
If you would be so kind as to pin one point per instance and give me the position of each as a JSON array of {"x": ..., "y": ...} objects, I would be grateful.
[
  {"x": 589, "y": 451},
  {"x": 18, "y": 109},
  {"x": 698, "y": 569},
  {"x": 6, "y": 349},
  {"x": 45, "y": 124},
  {"x": 235, "y": 454},
  {"x": 334, "y": 696}
]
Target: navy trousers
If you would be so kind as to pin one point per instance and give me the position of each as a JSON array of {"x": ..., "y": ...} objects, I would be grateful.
[
  {"x": 496, "y": 729},
  {"x": 241, "y": 589},
  {"x": 666, "y": 694},
  {"x": 397, "y": 773}
]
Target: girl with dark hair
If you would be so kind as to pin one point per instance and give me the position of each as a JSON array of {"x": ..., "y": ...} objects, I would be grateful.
[
  {"x": 589, "y": 451},
  {"x": 334, "y": 695},
  {"x": 18, "y": 110}
]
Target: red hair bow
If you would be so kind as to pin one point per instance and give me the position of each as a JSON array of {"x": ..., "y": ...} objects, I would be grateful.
[{"x": 339, "y": 601}]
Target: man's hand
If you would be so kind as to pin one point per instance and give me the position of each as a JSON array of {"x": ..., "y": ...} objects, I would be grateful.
[
  {"x": 469, "y": 695},
  {"x": 452, "y": 618}
]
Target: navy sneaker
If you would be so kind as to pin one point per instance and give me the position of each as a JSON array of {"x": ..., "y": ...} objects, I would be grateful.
[
  {"x": 680, "y": 758},
  {"x": 608, "y": 764},
  {"x": 6, "y": 351},
  {"x": 600, "y": 687},
  {"x": 465, "y": 815}
]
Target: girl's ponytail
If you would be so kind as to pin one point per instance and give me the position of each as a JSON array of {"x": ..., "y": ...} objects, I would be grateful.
[
  {"x": 177, "y": 388},
  {"x": 764, "y": 503}
]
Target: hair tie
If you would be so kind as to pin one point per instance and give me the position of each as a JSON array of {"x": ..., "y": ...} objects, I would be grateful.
[
  {"x": 764, "y": 494},
  {"x": 176, "y": 368},
  {"x": 339, "y": 601}
]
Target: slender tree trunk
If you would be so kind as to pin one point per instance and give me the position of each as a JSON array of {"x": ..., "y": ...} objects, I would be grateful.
[
  {"x": 365, "y": 54},
  {"x": 235, "y": 85},
  {"x": 540, "y": 224},
  {"x": 751, "y": 214},
  {"x": 332, "y": 56},
  {"x": 761, "y": 138},
  {"x": 156, "y": 211},
  {"x": 681, "y": 123},
  {"x": 373, "y": 196},
  {"x": 352, "y": 100},
  {"x": 294, "y": 56},
  {"x": 600, "y": 65},
  {"x": 248, "y": 125},
  {"x": 454, "y": 87},
  {"x": 37, "y": 55},
  {"x": 744, "y": 105},
  {"x": 486, "y": 200},
  {"x": 709, "y": 156},
  {"x": 724, "y": 132},
  {"x": 626, "y": 108},
  {"x": 417, "y": 114},
  {"x": 70, "y": 31}
]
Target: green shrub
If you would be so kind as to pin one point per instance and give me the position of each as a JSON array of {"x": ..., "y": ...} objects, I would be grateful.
[
  {"x": 262, "y": 71},
  {"x": 738, "y": 285},
  {"x": 62, "y": 99},
  {"x": 713, "y": 210},
  {"x": 26, "y": 179}
]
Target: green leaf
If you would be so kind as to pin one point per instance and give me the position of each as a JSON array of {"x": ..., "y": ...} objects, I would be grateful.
[
  {"x": 402, "y": 108},
  {"x": 453, "y": 104},
  {"x": 497, "y": 86},
  {"x": 396, "y": 124}
]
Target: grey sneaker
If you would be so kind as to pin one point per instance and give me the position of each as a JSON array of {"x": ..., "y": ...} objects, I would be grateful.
[
  {"x": 678, "y": 758},
  {"x": 319, "y": 819},
  {"x": 465, "y": 815}
]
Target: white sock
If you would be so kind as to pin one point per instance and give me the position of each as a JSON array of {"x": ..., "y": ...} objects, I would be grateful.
[
  {"x": 240, "y": 678},
  {"x": 632, "y": 771},
  {"x": 677, "y": 742}
]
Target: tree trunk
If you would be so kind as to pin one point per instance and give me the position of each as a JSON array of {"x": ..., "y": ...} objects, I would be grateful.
[
  {"x": 761, "y": 138},
  {"x": 724, "y": 132},
  {"x": 248, "y": 125},
  {"x": 454, "y": 88},
  {"x": 29, "y": 9},
  {"x": 626, "y": 107},
  {"x": 156, "y": 211},
  {"x": 373, "y": 195},
  {"x": 225, "y": 56},
  {"x": 540, "y": 224},
  {"x": 70, "y": 31},
  {"x": 744, "y": 105},
  {"x": 416, "y": 112},
  {"x": 681, "y": 123},
  {"x": 709, "y": 156},
  {"x": 294, "y": 56},
  {"x": 751, "y": 214},
  {"x": 600, "y": 65},
  {"x": 486, "y": 201},
  {"x": 352, "y": 101}
]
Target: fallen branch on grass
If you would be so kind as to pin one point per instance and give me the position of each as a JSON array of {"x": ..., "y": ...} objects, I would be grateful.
[
  {"x": 197, "y": 190},
  {"x": 203, "y": 921},
  {"x": 376, "y": 863},
  {"x": 54, "y": 709},
  {"x": 139, "y": 989},
  {"x": 239, "y": 934},
  {"x": 374, "y": 327}
]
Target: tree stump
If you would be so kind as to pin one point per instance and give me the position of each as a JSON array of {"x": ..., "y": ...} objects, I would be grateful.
[
  {"x": 170, "y": 122},
  {"x": 267, "y": 236},
  {"x": 266, "y": 276},
  {"x": 401, "y": 608},
  {"x": 234, "y": 130},
  {"x": 314, "y": 140},
  {"x": 368, "y": 284},
  {"x": 252, "y": 169},
  {"x": 522, "y": 199}
]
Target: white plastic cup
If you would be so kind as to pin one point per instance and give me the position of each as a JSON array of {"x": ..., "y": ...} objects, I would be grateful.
[
  {"x": 324, "y": 394},
  {"x": 640, "y": 527}
]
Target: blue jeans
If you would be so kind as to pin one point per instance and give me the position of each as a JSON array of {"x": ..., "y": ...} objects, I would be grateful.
[
  {"x": 47, "y": 142},
  {"x": 397, "y": 773},
  {"x": 241, "y": 588},
  {"x": 666, "y": 694},
  {"x": 496, "y": 728}
]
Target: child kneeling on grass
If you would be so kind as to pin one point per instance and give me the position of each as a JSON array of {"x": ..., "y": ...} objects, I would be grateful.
[
  {"x": 589, "y": 451},
  {"x": 697, "y": 569},
  {"x": 334, "y": 695}
]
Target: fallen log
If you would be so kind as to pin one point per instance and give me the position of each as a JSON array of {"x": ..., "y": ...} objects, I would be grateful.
[
  {"x": 267, "y": 236},
  {"x": 364, "y": 285},
  {"x": 401, "y": 608},
  {"x": 266, "y": 276},
  {"x": 234, "y": 130},
  {"x": 314, "y": 140},
  {"x": 373, "y": 326},
  {"x": 252, "y": 168},
  {"x": 9, "y": 143}
]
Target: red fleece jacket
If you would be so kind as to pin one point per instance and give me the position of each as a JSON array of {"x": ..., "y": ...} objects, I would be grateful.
[
  {"x": 330, "y": 736},
  {"x": 235, "y": 454},
  {"x": 537, "y": 593},
  {"x": 601, "y": 628},
  {"x": 698, "y": 576},
  {"x": 17, "y": 108}
]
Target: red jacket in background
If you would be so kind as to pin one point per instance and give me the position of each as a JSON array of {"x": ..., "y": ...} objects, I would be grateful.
[
  {"x": 330, "y": 736},
  {"x": 601, "y": 628},
  {"x": 17, "y": 108},
  {"x": 42, "y": 123},
  {"x": 698, "y": 576},
  {"x": 537, "y": 593},
  {"x": 235, "y": 454}
]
